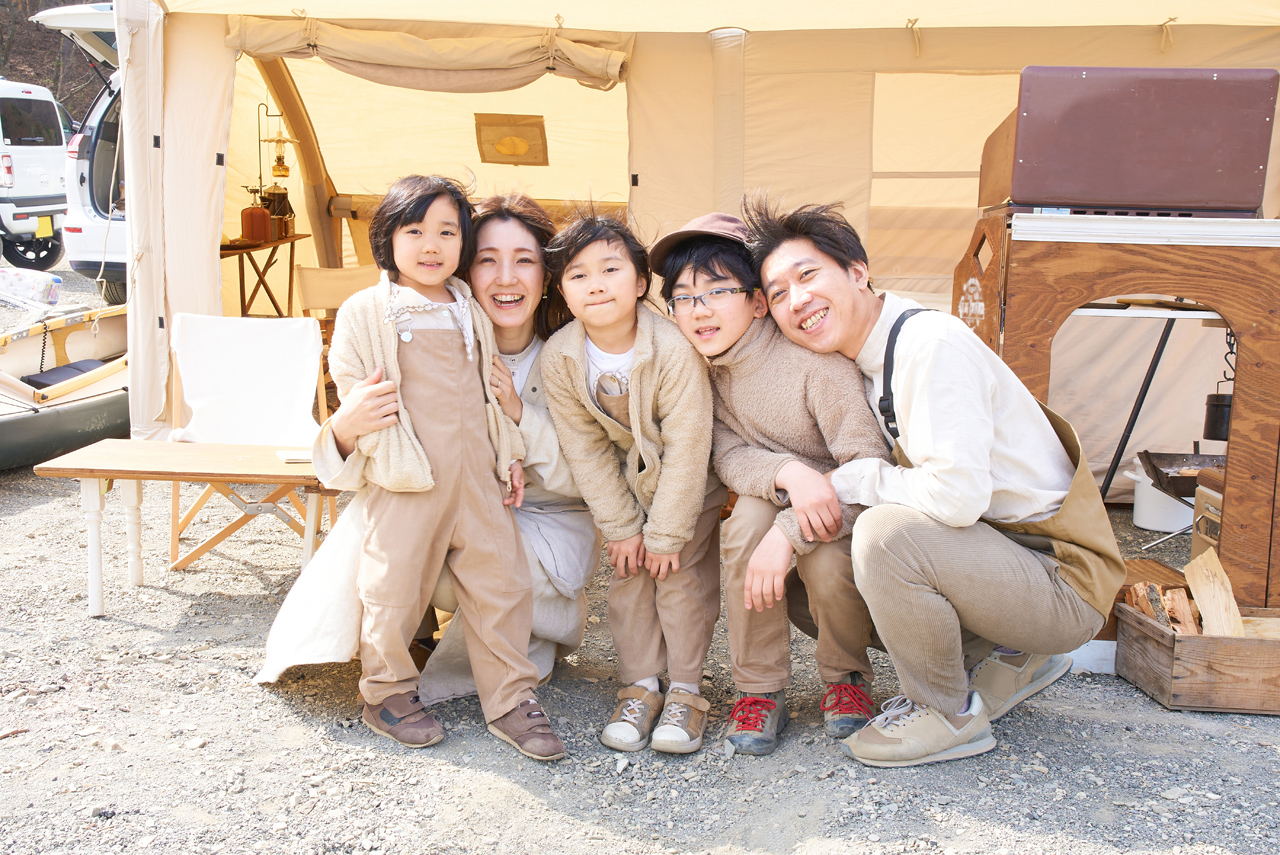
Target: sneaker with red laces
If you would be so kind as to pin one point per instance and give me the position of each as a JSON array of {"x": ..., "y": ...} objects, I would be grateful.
[
  {"x": 845, "y": 706},
  {"x": 756, "y": 722}
]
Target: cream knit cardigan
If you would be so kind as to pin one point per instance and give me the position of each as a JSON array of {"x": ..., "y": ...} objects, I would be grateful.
[{"x": 392, "y": 457}]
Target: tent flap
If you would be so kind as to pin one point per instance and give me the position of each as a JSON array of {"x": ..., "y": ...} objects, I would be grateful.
[{"x": 482, "y": 64}]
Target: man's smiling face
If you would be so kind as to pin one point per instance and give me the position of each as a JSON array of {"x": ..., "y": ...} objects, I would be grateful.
[{"x": 816, "y": 302}]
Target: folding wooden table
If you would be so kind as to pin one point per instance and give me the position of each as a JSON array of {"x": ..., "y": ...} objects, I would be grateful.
[
  {"x": 134, "y": 461},
  {"x": 241, "y": 252}
]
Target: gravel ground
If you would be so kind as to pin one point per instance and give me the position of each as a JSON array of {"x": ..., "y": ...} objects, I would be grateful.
[{"x": 142, "y": 730}]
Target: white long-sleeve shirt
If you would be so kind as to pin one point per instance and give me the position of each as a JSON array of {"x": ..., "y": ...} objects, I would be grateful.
[{"x": 978, "y": 441}]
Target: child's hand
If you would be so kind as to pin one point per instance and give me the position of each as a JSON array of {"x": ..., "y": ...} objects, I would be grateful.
[
  {"x": 660, "y": 564},
  {"x": 504, "y": 389},
  {"x": 766, "y": 578},
  {"x": 626, "y": 556},
  {"x": 516, "y": 496},
  {"x": 813, "y": 499},
  {"x": 371, "y": 405}
]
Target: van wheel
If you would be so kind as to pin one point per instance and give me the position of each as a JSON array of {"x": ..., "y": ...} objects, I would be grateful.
[
  {"x": 113, "y": 293},
  {"x": 33, "y": 253}
]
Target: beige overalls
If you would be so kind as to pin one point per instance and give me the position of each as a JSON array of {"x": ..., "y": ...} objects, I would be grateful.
[
  {"x": 462, "y": 522},
  {"x": 942, "y": 598}
]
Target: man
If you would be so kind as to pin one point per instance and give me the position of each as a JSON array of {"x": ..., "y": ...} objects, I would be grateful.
[{"x": 985, "y": 536}]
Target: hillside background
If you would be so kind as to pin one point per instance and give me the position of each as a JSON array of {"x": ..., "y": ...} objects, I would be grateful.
[{"x": 30, "y": 53}]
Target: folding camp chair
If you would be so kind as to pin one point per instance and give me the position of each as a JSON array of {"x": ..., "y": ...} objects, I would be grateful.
[
  {"x": 321, "y": 291},
  {"x": 245, "y": 381}
]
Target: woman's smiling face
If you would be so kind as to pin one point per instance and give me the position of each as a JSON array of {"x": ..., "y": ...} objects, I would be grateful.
[{"x": 507, "y": 275}]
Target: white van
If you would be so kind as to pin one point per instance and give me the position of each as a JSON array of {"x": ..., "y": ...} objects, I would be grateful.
[
  {"x": 94, "y": 232},
  {"x": 33, "y": 197}
]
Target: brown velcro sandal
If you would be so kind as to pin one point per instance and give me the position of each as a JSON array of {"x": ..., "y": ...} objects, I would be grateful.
[
  {"x": 528, "y": 729},
  {"x": 403, "y": 718}
]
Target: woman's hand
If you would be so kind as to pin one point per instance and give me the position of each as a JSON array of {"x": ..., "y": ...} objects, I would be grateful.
[
  {"x": 626, "y": 556},
  {"x": 504, "y": 389},
  {"x": 371, "y": 405},
  {"x": 516, "y": 495},
  {"x": 813, "y": 499},
  {"x": 659, "y": 565}
]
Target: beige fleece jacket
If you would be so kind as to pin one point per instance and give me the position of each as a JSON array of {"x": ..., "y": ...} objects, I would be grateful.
[
  {"x": 392, "y": 457},
  {"x": 776, "y": 402},
  {"x": 652, "y": 481}
]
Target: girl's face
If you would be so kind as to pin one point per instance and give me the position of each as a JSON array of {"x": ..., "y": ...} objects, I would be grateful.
[
  {"x": 427, "y": 253},
  {"x": 507, "y": 274},
  {"x": 601, "y": 286}
]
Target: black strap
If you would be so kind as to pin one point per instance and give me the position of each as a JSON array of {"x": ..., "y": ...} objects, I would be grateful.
[{"x": 886, "y": 399}]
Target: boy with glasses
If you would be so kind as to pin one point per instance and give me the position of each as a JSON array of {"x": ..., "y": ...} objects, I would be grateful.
[{"x": 782, "y": 421}]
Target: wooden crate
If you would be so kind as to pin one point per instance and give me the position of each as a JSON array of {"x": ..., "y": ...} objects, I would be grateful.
[
  {"x": 1202, "y": 672},
  {"x": 1141, "y": 570}
]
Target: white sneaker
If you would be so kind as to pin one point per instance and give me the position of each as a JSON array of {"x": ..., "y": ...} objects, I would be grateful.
[
  {"x": 633, "y": 718},
  {"x": 684, "y": 718}
]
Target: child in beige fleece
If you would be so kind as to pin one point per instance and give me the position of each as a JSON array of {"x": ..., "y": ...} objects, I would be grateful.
[
  {"x": 632, "y": 407},
  {"x": 783, "y": 417}
]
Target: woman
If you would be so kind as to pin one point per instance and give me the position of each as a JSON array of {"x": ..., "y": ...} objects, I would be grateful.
[{"x": 319, "y": 622}]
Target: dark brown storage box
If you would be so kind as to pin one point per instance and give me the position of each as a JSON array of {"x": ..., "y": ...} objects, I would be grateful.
[
  {"x": 1166, "y": 139},
  {"x": 1213, "y": 673}
]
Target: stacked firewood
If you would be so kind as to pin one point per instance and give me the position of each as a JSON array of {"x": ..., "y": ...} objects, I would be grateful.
[{"x": 1171, "y": 608}]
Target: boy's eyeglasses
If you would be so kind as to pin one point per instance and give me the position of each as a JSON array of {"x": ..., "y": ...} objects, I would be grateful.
[{"x": 716, "y": 298}]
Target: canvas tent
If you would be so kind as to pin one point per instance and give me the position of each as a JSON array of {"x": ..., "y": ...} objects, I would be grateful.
[{"x": 674, "y": 108}]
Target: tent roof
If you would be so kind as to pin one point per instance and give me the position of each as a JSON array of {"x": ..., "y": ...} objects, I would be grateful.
[{"x": 682, "y": 16}]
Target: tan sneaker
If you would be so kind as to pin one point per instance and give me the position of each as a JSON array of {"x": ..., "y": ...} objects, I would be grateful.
[
  {"x": 907, "y": 734},
  {"x": 684, "y": 718},
  {"x": 528, "y": 729},
  {"x": 1005, "y": 680},
  {"x": 633, "y": 718},
  {"x": 403, "y": 718}
]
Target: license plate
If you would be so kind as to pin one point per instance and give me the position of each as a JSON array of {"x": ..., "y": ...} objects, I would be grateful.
[{"x": 44, "y": 228}]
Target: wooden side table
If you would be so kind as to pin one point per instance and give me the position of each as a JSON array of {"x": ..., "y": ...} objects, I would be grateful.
[
  {"x": 133, "y": 461},
  {"x": 246, "y": 252}
]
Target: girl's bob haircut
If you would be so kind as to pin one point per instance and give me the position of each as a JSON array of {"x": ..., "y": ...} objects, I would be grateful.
[
  {"x": 406, "y": 203},
  {"x": 552, "y": 312},
  {"x": 585, "y": 230}
]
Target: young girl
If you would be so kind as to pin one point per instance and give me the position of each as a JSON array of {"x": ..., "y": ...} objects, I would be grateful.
[
  {"x": 430, "y": 460},
  {"x": 632, "y": 407},
  {"x": 508, "y": 279}
]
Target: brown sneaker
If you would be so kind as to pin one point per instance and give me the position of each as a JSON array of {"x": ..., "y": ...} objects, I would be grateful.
[
  {"x": 632, "y": 720},
  {"x": 529, "y": 730},
  {"x": 684, "y": 718},
  {"x": 403, "y": 718}
]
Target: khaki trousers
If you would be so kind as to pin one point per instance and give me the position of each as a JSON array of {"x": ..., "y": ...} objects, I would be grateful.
[
  {"x": 666, "y": 625},
  {"x": 942, "y": 598},
  {"x": 461, "y": 522},
  {"x": 821, "y": 600}
]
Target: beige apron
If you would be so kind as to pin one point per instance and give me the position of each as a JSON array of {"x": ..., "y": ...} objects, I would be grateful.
[{"x": 1078, "y": 535}]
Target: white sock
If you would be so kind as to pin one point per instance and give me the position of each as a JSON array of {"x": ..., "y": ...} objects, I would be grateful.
[
  {"x": 650, "y": 684},
  {"x": 687, "y": 688},
  {"x": 968, "y": 704}
]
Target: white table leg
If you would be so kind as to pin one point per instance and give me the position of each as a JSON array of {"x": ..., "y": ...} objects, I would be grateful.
[
  {"x": 131, "y": 492},
  {"x": 92, "y": 501},
  {"x": 312, "y": 526}
]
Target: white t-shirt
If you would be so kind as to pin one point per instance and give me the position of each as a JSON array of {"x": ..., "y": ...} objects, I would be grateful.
[{"x": 599, "y": 362}]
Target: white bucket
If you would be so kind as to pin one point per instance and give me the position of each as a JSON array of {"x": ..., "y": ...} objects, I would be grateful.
[{"x": 1152, "y": 509}]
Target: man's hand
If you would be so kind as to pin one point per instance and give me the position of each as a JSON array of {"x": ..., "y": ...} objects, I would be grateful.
[
  {"x": 371, "y": 405},
  {"x": 660, "y": 564},
  {"x": 813, "y": 499},
  {"x": 516, "y": 495},
  {"x": 626, "y": 556},
  {"x": 765, "y": 583},
  {"x": 504, "y": 389}
]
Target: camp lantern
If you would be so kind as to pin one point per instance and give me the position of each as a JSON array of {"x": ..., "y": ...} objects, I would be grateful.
[{"x": 278, "y": 168}]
